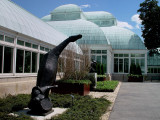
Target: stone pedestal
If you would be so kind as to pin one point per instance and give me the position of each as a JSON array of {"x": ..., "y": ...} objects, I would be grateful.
[
  {"x": 55, "y": 112},
  {"x": 95, "y": 76}
]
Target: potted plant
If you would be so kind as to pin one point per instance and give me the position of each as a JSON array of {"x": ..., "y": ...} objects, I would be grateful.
[
  {"x": 135, "y": 74},
  {"x": 77, "y": 83}
]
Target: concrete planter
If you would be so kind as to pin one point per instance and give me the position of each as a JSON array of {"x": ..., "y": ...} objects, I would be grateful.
[
  {"x": 69, "y": 88},
  {"x": 101, "y": 78}
]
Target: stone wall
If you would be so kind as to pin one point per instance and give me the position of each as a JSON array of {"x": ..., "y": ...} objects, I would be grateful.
[{"x": 16, "y": 85}]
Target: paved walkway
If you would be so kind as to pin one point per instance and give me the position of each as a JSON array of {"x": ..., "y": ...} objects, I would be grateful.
[{"x": 137, "y": 101}]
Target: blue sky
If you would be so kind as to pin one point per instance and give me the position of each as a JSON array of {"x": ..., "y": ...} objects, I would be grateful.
[{"x": 124, "y": 10}]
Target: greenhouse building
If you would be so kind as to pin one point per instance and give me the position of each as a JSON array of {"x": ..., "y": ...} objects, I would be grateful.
[
  {"x": 114, "y": 47},
  {"x": 24, "y": 39}
]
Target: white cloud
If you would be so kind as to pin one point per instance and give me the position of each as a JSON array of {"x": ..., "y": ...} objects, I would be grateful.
[
  {"x": 135, "y": 18},
  {"x": 85, "y": 6},
  {"x": 124, "y": 25}
]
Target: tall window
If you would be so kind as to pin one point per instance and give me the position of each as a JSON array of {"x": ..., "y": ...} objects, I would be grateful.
[
  {"x": 121, "y": 63},
  {"x": 138, "y": 59},
  {"x": 19, "y": 61},
  {"x": 27, "y": 62},
  {"x": 100, "y": 56},
  {"x": 1, "y": 57},
  {"x": 8, "y": 60},
  {"x": 34, "y": 62}
]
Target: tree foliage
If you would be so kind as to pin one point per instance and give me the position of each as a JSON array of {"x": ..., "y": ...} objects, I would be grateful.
[{"x": 150, "y": 16}]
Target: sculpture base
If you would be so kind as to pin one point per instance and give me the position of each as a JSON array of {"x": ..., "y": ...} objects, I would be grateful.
[
  {"x": 40, "y": 117},
  {"x": 40, "y": 114}
]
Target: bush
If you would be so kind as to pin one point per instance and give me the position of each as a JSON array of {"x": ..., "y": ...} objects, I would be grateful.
[
  {"x": 75, "y": 81},
  {"x": 14, "y": 103},
  {"x": 85, "y": 108},
  {"x": 102, "y": 69},
  {"x": 106, "y": 86}
]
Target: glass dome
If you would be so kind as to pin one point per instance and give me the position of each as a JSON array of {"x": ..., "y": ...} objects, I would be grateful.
[
  {"x": 101, "y": 18},
  {"x": 66, "y": 12},
  {"x": 92, "y": 34},
  {"x": 121, "y": 38}
]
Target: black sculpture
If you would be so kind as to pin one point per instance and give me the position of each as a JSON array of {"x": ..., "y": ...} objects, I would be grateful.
[
  {"x": 93, "y": 67},
  {"x": 40, "y": 103}
]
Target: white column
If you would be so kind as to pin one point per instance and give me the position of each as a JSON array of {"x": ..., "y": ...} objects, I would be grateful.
[{"x": 14, "y": 56}]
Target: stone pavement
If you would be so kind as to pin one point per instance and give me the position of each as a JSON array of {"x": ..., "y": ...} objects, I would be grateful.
[{"x": 137, "y": 101}]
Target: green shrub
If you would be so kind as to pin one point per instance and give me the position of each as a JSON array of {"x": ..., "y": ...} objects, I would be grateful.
[
  {"x": 98, "y": 68},
  {"x": 4, "y": 116},
  {"x": 102, "y": 69},
  {"x": 106, "y": 86},
  {"x": 14, "y": 103},
  {"x": 75, "y": 81},
  {"x": 85, "y": 108}
]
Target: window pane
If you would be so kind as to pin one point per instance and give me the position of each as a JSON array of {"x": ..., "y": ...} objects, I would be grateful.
[
  {"x": 34, "y": 62},
  {"x": 137, "y": 61},
  {"x": 158, "y": 70},
  {"x": 115, "y": 55},
  {"x": 93, "y": 52},
  {"x": 46, "y": 49},
  {"x": 1, "y": 37},
  {"x": 19, "y": 61},
  {"x": 104, "y": 51},
  {"x": 34, "y": 46},
  {"x": 19, "y": 42},
  {"x": 142, "y": 55},
  {"x": 126, "y": 55},
  {"x": 9, "y": 39},
  {"x": 155, "y": 70},
  {"x": 120, "y": 65},
  {"x": 115, "y": 65},
  {"x": 126, "y": 65},
  {"x": 1, "y": 54},
  {"x": 93, "y": 57},
  {"x": 41, "y": 48},
  {"x": 98, "y": 52},
  {"x": 132, "y": 61},
  {"x": 120, "y": 55},
  {"x": 149, "y": 70},
  {"x": 27, "y": 61},
  {"x": 132, "y": 55},
  {"x": 98, "y": 59},
  {"x": 8, "y": 60},
  {"x": 104, "y": 62},
  {"x": 41, "y": 57},
  {"x": 152, "y": 70},
  {"x": 27, "y": 44}
]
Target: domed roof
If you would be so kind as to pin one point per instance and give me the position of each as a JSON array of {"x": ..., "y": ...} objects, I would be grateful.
[
  {"x": 67, "y": 8},
  {"x": 101, "y": 18},
  {"x": 91, "y": 33},
  {"x": 121, "y": 38},
  {"x": 46, "y": 18},
  {"x": 98, "y": 15},
  {"x": 66, "y": 12}
]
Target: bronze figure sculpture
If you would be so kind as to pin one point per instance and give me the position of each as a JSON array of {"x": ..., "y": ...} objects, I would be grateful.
[
  {"x": 40, "y": 102},
  {"x": 93, "y": 67}
]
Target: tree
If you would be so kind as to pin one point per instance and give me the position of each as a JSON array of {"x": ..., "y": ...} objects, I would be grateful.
[{"x": 150, "y": 16}]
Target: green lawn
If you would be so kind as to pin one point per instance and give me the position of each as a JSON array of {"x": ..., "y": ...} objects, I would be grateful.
[{"x": 106, "y": 86}]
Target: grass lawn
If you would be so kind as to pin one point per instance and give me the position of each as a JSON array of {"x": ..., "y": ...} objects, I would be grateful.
[
  {"x": 84, "y": 108},
  {"x": 106, "y": 86}
]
